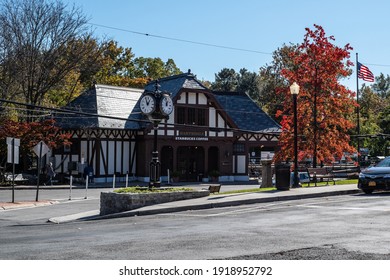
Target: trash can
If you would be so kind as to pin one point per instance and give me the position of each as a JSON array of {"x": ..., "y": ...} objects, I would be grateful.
[{"x": 282, "y": 176}]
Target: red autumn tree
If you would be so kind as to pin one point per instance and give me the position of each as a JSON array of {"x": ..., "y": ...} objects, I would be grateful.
[
  {"x": 31, "y": 133},
  {"x": 324, "y": 105}
]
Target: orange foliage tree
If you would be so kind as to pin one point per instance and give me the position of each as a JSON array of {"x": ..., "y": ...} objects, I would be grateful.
[
  {"x": 31, "y": 133},
  {"x": 324, "y": 105}
]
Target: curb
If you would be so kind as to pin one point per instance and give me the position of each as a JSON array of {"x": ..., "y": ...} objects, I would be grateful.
[
  {"x": 89, "y": 215},
  {"x": 25, "y": 204},
  {"x": 59, "y": 187}
]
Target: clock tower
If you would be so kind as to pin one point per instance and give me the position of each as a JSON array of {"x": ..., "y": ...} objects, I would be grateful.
[{"x": 156, "y": 106}]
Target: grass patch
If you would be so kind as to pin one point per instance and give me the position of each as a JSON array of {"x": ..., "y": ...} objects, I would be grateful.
[
  {"x": 249, "y": 190},
  {"x": 305, "y": 185},
  {"x": 138, "y": 189},
  {"x": 338, "y": 182}
]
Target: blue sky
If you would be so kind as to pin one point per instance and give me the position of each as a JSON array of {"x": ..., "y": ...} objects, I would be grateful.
[{"x": 261, "y": 26}]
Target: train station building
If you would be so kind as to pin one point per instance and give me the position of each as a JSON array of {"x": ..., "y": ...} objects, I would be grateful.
[{"x": 207, "y": 133}]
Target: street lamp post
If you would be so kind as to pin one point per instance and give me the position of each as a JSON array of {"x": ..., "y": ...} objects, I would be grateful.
[
  {"x": 156, "y": 105},
  {"x": 155, "y": 165},
  {"x": 294, "y": 90}
]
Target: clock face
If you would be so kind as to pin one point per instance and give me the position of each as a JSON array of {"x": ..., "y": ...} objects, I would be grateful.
[
  {"x": 147, "y": 104},
  {"x": 166, "y": 105}
]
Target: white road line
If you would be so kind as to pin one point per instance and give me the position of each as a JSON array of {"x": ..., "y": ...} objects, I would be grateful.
[
  {"x": 232, "y": 212},
  {"x": 283, "y": 205},
  {"x": 365, "y": 209}
]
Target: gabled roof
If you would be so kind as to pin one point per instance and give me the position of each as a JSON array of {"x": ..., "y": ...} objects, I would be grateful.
[
  {"x": 245, "y": 113},
  {"x": 241, "y": 109},
  {"x": 174, "y": 84},
  {"x": 103, "y": 100},
  {"x": 123, "y": 102}
]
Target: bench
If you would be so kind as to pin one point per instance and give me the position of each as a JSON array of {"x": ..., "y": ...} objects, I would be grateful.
[
  {"x": 320, "y": 175},
  {"x": 214, "y": 188},
  {"x": 350, "y": 173}
]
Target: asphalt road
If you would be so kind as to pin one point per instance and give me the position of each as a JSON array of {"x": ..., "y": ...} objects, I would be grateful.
[
  {"x": 65, "y": 201},
  {"x": 340, "y": 227}
]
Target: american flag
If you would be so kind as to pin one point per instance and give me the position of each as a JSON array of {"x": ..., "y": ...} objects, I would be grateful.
[{"x": 364, "y": 73}]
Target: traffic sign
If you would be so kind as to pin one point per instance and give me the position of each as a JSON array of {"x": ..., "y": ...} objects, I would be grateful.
[
  {"x": 13, "y": 141},
  {"x": 41, "y": 149},
  {"x": 13, "y": 150}
]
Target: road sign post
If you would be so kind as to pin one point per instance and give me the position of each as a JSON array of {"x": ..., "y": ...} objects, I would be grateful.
[
  {"x": 13, "y": 157},
  {"x": 40, "y": 150}
]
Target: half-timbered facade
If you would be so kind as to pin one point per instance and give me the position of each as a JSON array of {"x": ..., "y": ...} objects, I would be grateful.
[
  {"x": 206, "y": 131},
  {"x": 103, "y": 134}
]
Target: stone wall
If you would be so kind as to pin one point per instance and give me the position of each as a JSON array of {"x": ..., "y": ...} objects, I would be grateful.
[{"x": 111, "y": 202}]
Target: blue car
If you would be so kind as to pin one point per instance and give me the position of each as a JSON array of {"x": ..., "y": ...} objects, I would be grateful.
[{"x": 376, "y": 177}]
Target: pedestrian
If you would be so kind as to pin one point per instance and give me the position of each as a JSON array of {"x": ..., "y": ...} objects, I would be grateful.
[{"x": 50, "y": 173}]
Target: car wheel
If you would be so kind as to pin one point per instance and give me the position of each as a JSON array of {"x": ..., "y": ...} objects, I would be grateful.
[{"x": 368, "y": 191}]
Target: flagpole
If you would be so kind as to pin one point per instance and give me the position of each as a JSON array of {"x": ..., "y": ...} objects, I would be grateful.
[{"x": 358, "y": 107}]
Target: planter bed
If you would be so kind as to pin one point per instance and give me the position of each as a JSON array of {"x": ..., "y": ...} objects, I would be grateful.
[{"x": 111, "y": 202}]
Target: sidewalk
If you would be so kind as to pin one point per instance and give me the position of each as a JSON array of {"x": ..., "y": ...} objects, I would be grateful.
[
  {"x": 25, "y": 204},
  {"x": 219, "y": 200}
]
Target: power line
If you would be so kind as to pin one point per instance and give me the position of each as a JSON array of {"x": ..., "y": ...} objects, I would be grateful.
[
  {"x": 181, "y": 40},
  {"x": 67, "y": 111},
  {"x": 380, "y": 65},
  {"x": 197, "y": 42}
]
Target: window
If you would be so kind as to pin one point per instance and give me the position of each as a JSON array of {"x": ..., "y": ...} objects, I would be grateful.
[
  {"x": 181, "y": 115},
  {"x": 239, "y": 148},
  {"x": 192, "y": 116},
  {"x": 202, "y": 116},
  {"x": 73, "y": 148}
]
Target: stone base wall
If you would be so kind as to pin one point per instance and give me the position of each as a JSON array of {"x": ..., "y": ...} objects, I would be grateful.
[{"x": 111, "y": 202}]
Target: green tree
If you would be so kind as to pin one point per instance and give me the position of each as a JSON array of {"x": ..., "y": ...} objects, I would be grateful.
[
  {"x": 154, "y": 68},
  {"x": 374, "y": 107},
  {"x": 243, "y": 81},
  {"x": 270, "y": 80},
  {"x": 79, "y": 78},
  {"x": 171, "y": 68},
  {"x": 247, "y": 83},
  {"x": 115, "y": 66},
  {"x": 225, "y": 80},
  {"x": 382, "y": 86},
  {"x": 116, "y": 61},
  {"x": 35, "y": 37},
  {"x": 371, "y": 103}
]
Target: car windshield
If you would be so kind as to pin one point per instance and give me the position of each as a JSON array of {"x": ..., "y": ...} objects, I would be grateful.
[{"x": 384, "y": 163}]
